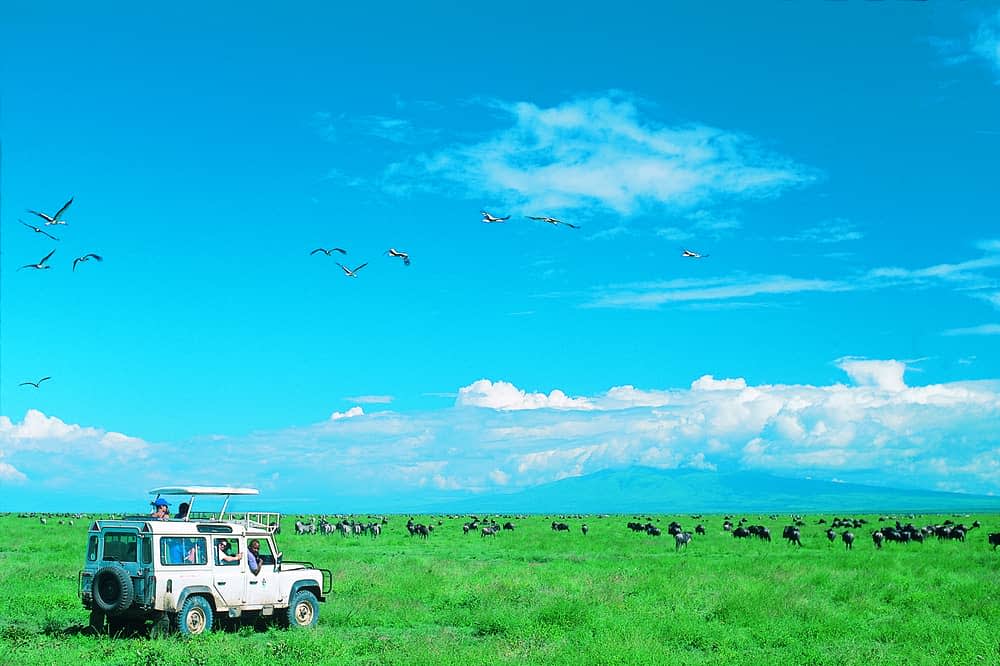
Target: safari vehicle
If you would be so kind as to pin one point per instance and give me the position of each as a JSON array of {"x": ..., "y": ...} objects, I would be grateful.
[{"x": 189, "y": 573}]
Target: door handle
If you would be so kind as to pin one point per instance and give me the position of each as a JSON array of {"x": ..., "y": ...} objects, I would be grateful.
[
  {"x": 253, "y": 582},
  {"x": 220, "y": 582}
]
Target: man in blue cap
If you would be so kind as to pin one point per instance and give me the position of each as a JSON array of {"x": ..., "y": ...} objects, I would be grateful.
[{"x": 161, "y": 509}]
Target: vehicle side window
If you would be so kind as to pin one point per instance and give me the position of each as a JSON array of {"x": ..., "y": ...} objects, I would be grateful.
[
  {"x": 266, "y": 555},
  {"x": 120, "y": 547},
  {"x": 146, "y": 546},
  {"x": 92, "y": 549},
  {"x": 183, "y": 551},
  {"x": 226, "y": 552}
]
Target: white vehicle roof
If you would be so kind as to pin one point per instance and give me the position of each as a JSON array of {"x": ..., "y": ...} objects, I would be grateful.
[{"x": 203, "y": 490}]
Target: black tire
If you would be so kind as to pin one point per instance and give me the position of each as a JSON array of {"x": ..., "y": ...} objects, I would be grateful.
[
  {"x": 112, "y": 590},
  {"x": 303, "y": 610},
  {"x": 195, "y": 617}
]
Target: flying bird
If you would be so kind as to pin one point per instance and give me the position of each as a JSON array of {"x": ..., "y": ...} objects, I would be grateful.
[
  {"x": 553, "y": 221},
  {"x": 87, "y": 257},
  {"x": 37, "y": 230},
  {"x": 35, "y": 384},
  {"x": 352, "y": 273},
  {"x": 327, "y": 252},
  {"x": 55, "y": 219},
  {"x": 41, "y": 264},
  {"x": 402, "y": 255},
  {"x": 489, "y": 218},
  {"x": 693, "y": 255}
]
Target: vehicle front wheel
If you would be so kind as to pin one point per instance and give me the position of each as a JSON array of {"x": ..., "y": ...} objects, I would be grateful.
[
  {"x": 303, "y": 611},
  {"x": 195, "y": 617}
]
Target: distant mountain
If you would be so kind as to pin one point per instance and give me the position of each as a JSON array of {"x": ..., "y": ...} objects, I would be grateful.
[{"x": 650, "y": 490}]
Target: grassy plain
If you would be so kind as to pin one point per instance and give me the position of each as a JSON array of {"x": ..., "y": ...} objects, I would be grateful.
[{"x": 536, "y": 596}]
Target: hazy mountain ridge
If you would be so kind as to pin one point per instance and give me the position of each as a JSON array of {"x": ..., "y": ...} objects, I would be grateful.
[{"x": 651, "y": 490}]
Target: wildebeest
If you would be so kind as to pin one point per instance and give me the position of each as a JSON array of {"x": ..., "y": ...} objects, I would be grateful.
[
  {"x": 877, "y": 538},
  {"x": 584, "y": 529},
  {"x": 559, "y": 527},
  {"x": 831, "y": 535},
  {"x": 681, "y": 539},
  {"x": 792, "y": 534},
  {"x": 699, "y": 529},
  {"x": 508, "y": 526},
  {"x": 995, "y": 540},
  {"x": 488, "y": 530},
  {"x": 741, "y": 533},
  {"x": 848, "y": 538}
]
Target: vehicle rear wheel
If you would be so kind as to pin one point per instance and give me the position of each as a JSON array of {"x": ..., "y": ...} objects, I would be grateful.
[
  {"x": 303, "y": 611},
  {"x": 195, "y": 617}
]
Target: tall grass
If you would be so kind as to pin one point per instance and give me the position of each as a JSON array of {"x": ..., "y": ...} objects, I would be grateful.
[{"x": 537, "y": 596}]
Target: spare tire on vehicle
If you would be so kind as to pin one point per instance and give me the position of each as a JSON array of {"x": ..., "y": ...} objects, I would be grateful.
[{"x": 112, "y": 589}]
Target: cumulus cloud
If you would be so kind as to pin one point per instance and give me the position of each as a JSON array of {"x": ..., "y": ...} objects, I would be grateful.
[
  {"x": 887, "y": 375},
  {"x": 874, "y": 427},
  {"x": 357, "y": 410},
  {"x": 604, "y": 152},
  {"x": 504, "y": 395}
]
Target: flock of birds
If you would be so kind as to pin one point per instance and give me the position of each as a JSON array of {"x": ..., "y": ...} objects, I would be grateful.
[
  {"x": 54, "y": 220},
  {"x": 57, "y": 219}
]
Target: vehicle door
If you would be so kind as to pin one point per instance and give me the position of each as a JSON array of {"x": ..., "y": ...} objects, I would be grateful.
[
  {"x": 262, "y": 589},
  {"x": 228, "y": 575}
]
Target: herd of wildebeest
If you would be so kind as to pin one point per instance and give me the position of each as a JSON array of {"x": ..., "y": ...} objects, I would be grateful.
[{"x": 888, "y": 530}]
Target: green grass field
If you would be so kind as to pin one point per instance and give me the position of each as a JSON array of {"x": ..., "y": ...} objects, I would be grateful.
[{"x": 537, "y": 596}]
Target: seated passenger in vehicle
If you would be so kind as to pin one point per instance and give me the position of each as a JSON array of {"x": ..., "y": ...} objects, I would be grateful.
[
  {"x": 253, "y": 557},
  {"x": 222, "y": 555},
  {"x": 182, "y": 511}
]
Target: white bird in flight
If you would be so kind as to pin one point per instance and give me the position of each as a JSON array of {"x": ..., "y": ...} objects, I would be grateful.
[
  {"x": 35, "y": 384},
  {"x": 55, "y": 219},
  {"x": 402, "y": 255},
  {"x": 87, "y": 257},
  {"x": 352, "y": 273},
  {"x": 693, "y": 255},
  {"x": 489, "y": 218},
  {"x": 552, "y": 220},
  {"x": 41, "y": 264},
  {"x": 37, "y": 230},
  {"x": 327, "y": 252}
]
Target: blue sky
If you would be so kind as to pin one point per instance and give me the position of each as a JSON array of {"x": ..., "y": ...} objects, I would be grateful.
[{"x": 837, "y": 161}]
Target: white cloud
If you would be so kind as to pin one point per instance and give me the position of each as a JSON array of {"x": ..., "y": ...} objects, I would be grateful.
[
  {"x": 655, "y": 294},
  {"x": 983, "y": 329},
  {"x": 504, "y": 395},
  {"x": 710, "y": 383},
  {"x": 350, "y": 413},
  {"x": 371, "y": 399},
  {"x": 886, "y": 375},
  {"x": 837, "y": 230},
  {"x": 986, "y": 42},
  {"x": 602, "y": 151}
]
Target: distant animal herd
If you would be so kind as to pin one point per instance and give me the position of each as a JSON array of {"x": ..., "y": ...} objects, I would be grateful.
[{"x": 889, "y": 530}]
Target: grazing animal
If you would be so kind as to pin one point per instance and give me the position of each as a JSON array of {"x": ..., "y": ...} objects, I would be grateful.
[
  {"x": 994, "y": 540},
  {"x": 848, "y": 538},
  {"x": 699, "y": 529},
  {"x": 87, "y": 257},
  {"x": 55, "y": 219},
  {"x": 508, "y": 526},
  {"x": 41, "y": 265},
  {"x": 489, "y": 218},
  {"x": 37, "y": 230},
  {"x": 349, "y": 272},
  {"x": 682, "y": 539},
  {"x": 877, "y": 539},
  {"x": 792, "y": 534},
  {"x": 584, "y": 529},
  {"x": 831, "y": 535}
]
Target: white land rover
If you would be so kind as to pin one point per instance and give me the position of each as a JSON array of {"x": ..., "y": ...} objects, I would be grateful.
[{"x": 184, "y": 573}]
